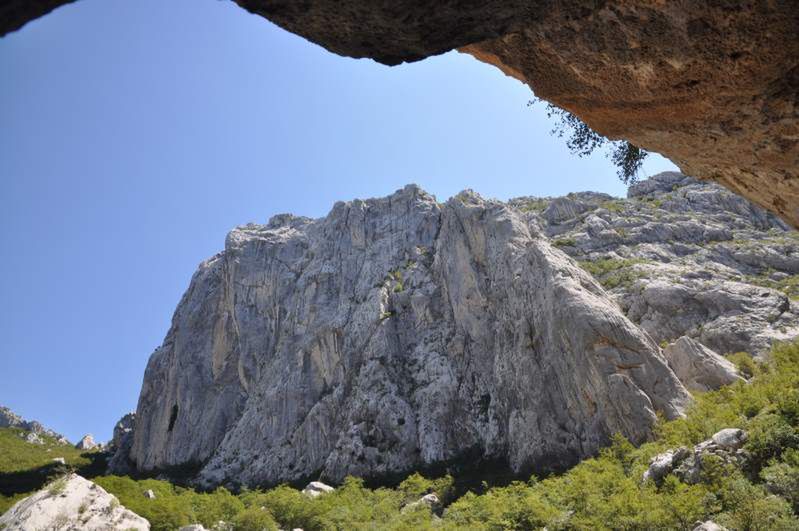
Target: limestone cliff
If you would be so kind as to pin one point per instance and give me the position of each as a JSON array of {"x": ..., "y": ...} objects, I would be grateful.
[{"x": 394, "y": 334}]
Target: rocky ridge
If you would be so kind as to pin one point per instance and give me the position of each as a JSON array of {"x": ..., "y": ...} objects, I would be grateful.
[
  {"x": 683, "y": 257},
  {"x": 9, "y": 419},
  {"x": 392, "y": 335},
  {"x": 400, "y": 333}
]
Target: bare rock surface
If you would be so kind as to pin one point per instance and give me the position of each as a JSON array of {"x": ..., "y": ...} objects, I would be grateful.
[
  {"x": 711, "y": 85},
  {"x": 120, "y": 445},
  {"x": 725, "y": 445},
  {"x": 394, "y": 334},
  {"x": 71, "y": 503},
  {"x": 316, "y": 488},
  {"x": 87, "y": 443},
  {"x": 684, "y": 257},
  {"x": 9, "y": 419},
  {"x": 698, "y": 367}
]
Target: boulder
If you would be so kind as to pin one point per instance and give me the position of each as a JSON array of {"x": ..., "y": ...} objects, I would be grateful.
[
  {"x": 709, "y": 525},
  {"x": 59, "y": 460},
  {"x": 430, "y": 501},
  {"x": 698, "y": 367},
  {"x": 316, "y": 488},
  {"x": 149, "y": 494},
  {"x": 71, "y": 503},
  {"x": 730, "y": 438},
  {"x": 33, "y": 438}
]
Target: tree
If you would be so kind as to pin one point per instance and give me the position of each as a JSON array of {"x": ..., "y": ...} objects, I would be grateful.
[{"x": 582, "y": 141}]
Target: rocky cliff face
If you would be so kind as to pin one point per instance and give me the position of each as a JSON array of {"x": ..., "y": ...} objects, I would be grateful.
[
  {"x": 393, "y": 334},
  {"x": 684, "y": 258}
]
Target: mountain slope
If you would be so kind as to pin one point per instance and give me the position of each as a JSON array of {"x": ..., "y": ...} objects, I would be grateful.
[{"x": 395, "y": 334}]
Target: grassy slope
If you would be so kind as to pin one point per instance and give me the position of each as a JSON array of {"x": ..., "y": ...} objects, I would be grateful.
[{"x": 601, "y": 493}]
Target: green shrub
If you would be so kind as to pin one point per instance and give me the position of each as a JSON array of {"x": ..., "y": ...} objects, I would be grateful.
[{"x": 254, "y": 519}]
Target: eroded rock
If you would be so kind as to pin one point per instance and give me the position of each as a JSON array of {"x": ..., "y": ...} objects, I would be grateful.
[
  {"x": 393, "y": 334},
  {"x": 87, "y": 443},
  {"x": 316, "y": 488},
  {"x": 68, "y": 503},
  {"x": 698, "y": 367}
]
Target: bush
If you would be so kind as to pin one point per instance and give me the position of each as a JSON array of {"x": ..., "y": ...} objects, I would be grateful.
[{"x": 254, "y": 519}]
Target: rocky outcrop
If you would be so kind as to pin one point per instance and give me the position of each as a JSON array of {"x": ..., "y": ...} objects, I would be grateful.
[
  {"x": 316, "y": 488},
  {"x": 726, "y": 446},
  {"x": 394, "y": 334},
  {"x": 68, "y": 503},
  {"x": 698, "y": 367},
  {"x": 121, "y": 444},
  {"x": 87, "y": 443},
  {"x": 683, "y": 257},
  {"x": 9, "y": 419},
  {"x": 714, "y": 86}
]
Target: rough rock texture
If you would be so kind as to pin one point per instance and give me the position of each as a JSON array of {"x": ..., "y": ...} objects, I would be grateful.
[
  {"x": 86, "y": 443},
  {"x": 316, "y": 488},
  {"x": 393, "y": 334},
  {"x": 714, "y": 86},
  {"x": 121, "y": 444},
  {"x": 9, "y": 419},
  {"x": 683, "y": 258},
  {"x": 709, "y": 525},
  {"x": 686, "y": 465},
  {"x": 68, "y": 504},
  {"x": 698, "y": 367}
]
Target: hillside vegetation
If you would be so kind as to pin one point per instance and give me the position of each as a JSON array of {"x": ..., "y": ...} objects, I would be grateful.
[{"x": 606, "y": 492}]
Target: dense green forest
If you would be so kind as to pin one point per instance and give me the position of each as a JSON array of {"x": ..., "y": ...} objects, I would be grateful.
[{"x": 606, "y": 492}]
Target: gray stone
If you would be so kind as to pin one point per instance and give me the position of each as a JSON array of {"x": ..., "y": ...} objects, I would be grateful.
[
  {"x": 316, "y": 488},
  {"x": 121, "y": 444},
  {"x": 9, "y": 419},
  {"x": 430, "y": 501},
  {"x": 698, "y": 367},
  {"x": 393, "y": 334},
  {"x": 730, "y": 438},
  {"x": 684, "y": 258},
  {"x": 33, "y": 438},
  {"x": 75, "y": 503},
  {"x": 59, "y": 460},
  {"x": 86, "y": 443},
  {"x": 149, "y": 494},
  {"x": 192, "y": 527},
  {"x": 709, "y": 525}
]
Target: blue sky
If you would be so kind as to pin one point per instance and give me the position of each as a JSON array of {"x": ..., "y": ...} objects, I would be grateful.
[{"x": 136, "y": 134}]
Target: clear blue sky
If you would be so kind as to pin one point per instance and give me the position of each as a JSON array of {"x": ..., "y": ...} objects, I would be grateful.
[{"x": 135, "y": 134}]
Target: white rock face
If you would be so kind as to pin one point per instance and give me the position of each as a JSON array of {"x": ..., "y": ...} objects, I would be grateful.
[
  {"x": 392, "y": 334},
  {"x": 9, "y": 419},
  {"x": 709, "y": 525},
  {"x": 430, "y": 501},
  {"x": 316, "y": 488},
  {"x": 86, "y": 443},
  {"x": 69, "y": 504},
  {"x": 684, "y": 258},
  {"x": 698, "y": 367}
]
